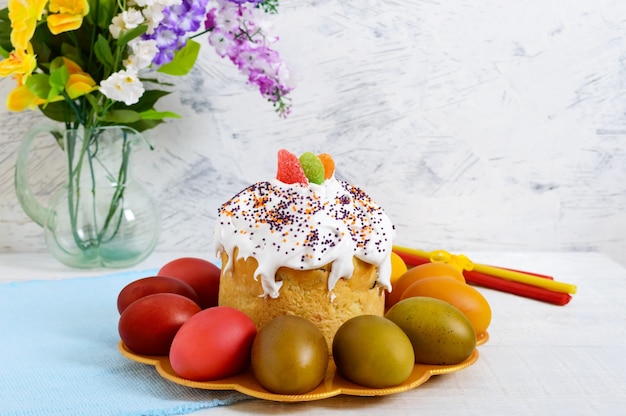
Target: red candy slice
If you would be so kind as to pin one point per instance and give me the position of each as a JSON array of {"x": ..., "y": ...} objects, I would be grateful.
[{"x": 289, "y": 168}]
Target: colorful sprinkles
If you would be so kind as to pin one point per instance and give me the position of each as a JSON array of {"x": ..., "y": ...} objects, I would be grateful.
[{"x": 288, "y": 212}]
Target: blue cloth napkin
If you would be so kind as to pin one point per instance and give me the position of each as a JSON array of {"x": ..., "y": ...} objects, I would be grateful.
[{"x": 58, "y": 355}]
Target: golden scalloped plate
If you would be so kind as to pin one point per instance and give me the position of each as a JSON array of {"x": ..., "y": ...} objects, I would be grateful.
[{"x": 333, "y": 384}]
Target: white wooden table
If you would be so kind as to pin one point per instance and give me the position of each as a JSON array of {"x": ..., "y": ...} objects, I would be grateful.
[{"x": 541, "y": 359}]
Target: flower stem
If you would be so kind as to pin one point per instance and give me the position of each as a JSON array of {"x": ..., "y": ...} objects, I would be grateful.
[
  {"x": 118, "y": 195},
  {"x": 73, "y": 184},
  {"x": 88, "y": 157}
]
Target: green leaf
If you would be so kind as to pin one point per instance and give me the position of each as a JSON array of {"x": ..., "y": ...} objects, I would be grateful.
[
  {"x": 129, "y": 35},
  {"x": 56, "y": 63},
  {"x": 41, "y": 42},
  {"x": 70, "y": 52},
  {"x": 156, "y": 81},
  {"x": 59, "y": 111},
  {"x": 39, "y": 85},
  {"x": 121, "y": 116},
  {"x": 4, "y": 53},
  {"x": 107, "y": 10},
  {"x": 5, "y": 30},
  {"x": 93, "y": 101},
  {"x": 184, "y": 60},
  {"x": 93, "y": 11},
  {"x": 269, "y": 6},
  {"x": 148, "y": 100},
  {"x": 103, "y": 51},
  {"x": 143, "y": 125},
  {"x": 101, "y": 12},
  {"x": 58, "y": 79},
  {"x": 158, "y": 115}
]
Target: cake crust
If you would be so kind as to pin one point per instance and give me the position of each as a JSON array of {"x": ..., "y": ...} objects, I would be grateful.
[{"x": 304, "y": 293}]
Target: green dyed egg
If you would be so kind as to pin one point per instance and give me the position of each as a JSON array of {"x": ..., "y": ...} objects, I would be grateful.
[{"x": 440, "y": 333}]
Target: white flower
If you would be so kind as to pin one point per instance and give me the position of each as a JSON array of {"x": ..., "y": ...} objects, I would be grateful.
[
  {"x": 222, "y": 42},
  {"x": 169, "y": 3},
  {"x": 284, "y": 77},
  {"x": 141, "y": 3},
  {"x": 163, "y": 3},
  {"x": 228, "y": 18},
  {"x": 132, "y": 18},
  {"x": 116, "y": 26},
  {"x": 154, "y": 16},
  {"x": 128, "y": 19},
  {"x": 141, "y": 53},
  {"x": 123, "y": 86}
]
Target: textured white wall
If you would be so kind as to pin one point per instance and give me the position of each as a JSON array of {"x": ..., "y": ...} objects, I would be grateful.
[{"x": 495, "y": 124}]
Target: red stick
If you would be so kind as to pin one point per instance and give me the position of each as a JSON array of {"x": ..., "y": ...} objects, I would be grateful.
[
  {"x": 414, "y": 260},
  {"x": 517, "y": 288},
  {"x": 410, "y": 259},
  {"x": 508, "y": 286}
]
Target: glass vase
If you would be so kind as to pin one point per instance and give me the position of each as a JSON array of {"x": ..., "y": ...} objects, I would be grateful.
[{"x": 101, "y": 216}]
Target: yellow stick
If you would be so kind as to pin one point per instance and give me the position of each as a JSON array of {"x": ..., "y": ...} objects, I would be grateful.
[{"x": 499, "y": 272}]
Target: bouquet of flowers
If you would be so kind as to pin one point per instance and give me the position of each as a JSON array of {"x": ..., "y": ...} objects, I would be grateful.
[
  {"x": 93, "y": 62},
  {"x": 99, "y": 67}
]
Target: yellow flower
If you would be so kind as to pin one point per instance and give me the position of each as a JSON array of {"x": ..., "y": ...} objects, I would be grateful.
[
  {"x": 72, "y": 67},
  {"x": 66, "y": 15},
  {"x": 24, "y": 15},
  {"x": 20, "y": 61},
  {"x": 22, "y": 98},
  {"x": 80, "y": 82}
]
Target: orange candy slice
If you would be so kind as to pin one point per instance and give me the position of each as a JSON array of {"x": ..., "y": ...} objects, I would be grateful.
[{"x": 329, "y": 164}]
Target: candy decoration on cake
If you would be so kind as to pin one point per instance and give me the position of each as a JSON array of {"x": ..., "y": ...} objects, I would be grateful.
[
  {"x": 313, "y": 167},
  {"x": 308, "y": 168},
  {"x": 289, "y": 168}
]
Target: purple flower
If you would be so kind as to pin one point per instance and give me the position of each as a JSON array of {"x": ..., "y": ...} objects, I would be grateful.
[
  {"x": 246, "y": 1},
  {"x": 187, "y": 16},
  {"x": 178, "y": 22},
  {"x": 235, "y": 34},
  {"x": 209, "y": 23}
]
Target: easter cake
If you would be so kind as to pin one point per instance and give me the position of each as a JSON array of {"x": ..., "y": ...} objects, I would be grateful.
[{"x": 304, "y": 243}]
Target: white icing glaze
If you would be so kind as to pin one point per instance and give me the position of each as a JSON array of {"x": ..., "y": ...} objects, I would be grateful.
[{"x": 305, "y": 227}]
